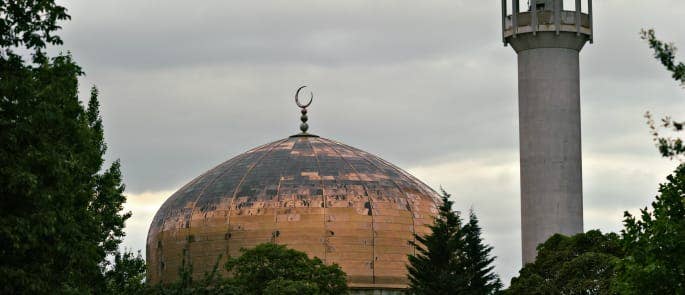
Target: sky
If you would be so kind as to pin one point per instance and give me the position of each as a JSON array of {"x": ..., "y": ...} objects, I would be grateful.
[{"x": 426, "y": 85}]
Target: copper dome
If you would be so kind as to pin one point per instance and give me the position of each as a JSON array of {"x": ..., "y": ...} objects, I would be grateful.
[{"x": 316, "y": 195}]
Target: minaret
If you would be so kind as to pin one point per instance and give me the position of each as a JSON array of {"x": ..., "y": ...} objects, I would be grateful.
[{"x": 548, "y": 40}]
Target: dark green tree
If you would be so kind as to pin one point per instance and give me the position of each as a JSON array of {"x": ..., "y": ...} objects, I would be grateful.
[
  {"x": 30, "y": 24},
  {"x": 437, "y": 267},
  {"x": 266, "y": 269},
  {"x": 60, "y": 216},
  {"x": 210, "y": 283},
  {"x": 581, "y": 264},
  {"x": 481, "y": 278},
  {"x": 273, "y": 269},
  {"x": 655, "y": 243},
  {"x": 289, "y": 287},
  {"x": 451, "y": 259},
  {"x": 127, "y": 274},
  {"x": 60, "y": 207}
]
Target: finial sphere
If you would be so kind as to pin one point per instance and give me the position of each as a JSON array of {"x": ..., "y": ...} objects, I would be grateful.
[{"x": 303, "y": 127}]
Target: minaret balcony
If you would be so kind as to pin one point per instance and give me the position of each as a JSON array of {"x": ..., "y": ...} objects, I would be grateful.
[
  {"x": 546, "y": 18},
  {"x": 547, "y": 23}
]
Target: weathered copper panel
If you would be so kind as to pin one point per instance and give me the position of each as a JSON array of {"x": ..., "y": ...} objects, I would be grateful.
[{"x": 315, "y": 195}]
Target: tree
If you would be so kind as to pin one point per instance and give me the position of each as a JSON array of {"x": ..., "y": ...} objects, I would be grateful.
[
  {"x": 581, "y": 264},
  {"x": 211, "y": 283},
  {"x": 479, "y": 269},
  {"x": 127, "y": 274},
  {"x": 60, "y": 208},
  {"x": 275, "y": 269},
  {"x": 59, "y": 215},
  {"x": 451, "y": 259},
  {"x": 436, "y": 267},
  {"x": 30, "y": 23},
  {"x": 665, "y": 53},
  {"x": 266, "y": 269},
  {"x": 655, "y": 243},
  {"x": 280, "y": 286},
  {"x": 670, "y": 147}
]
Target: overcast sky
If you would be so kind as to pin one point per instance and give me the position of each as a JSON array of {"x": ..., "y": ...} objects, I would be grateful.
[{"x": 426, "y": 85}]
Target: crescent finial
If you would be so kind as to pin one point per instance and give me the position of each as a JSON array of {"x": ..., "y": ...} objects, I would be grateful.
[
  {"x": 303, "y": 126},
  {"x": 297, "y": 98}
]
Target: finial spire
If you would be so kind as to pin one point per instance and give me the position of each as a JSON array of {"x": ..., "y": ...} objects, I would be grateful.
[{"x": 303, "y": 127}]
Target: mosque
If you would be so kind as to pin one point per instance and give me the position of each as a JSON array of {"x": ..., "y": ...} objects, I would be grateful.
[{"x": 346, "y": 206}]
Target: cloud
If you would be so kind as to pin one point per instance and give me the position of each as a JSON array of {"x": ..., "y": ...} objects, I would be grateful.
[
  {"x": 334, "y": 33},
  {"x": 143, "y": 206}
]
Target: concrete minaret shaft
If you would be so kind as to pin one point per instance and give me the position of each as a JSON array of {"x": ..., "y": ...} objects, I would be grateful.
[{"x": 548, "y": 40}]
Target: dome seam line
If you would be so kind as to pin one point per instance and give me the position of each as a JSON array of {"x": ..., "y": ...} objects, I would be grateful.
[
  {"x": 201, "y": 193},
  {"x": 411, "y": 208},
  {"x": 237, "y": 187},
  {"x": 426, "y": 189},
  {"x": 373, "y": 230},
  {"x": 323, "y": 201},
  {"x": 278, "y": 189}
]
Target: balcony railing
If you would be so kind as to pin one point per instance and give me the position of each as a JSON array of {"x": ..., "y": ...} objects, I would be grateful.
[{"x": 554, "y": 20}]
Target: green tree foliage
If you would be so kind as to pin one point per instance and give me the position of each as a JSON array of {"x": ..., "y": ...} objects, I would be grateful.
[
  {"x": 481, "y": 278},
  {"x": 655, "y": 243},
  {"x": 451, "y": 259},
  {"x": 436, "y": 267},
  {"x": 30, "y": 23},
  {"x": 266, "y": 269},
  {"x": 60, "y": 208},
  {"x": 60, "y": 216},
  {"x": 211, "y": 283},
  {"x": 665, "y": 53},
  {"x": 274, "y": 269},
  {"x": 670, "y": 147},
  {"x": 582, "y": 264},
  {"x": 289, "y": 287},
  {"x": 127, "y": 274}
]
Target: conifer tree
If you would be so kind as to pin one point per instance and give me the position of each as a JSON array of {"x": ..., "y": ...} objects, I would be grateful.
[
  {"x": 451, "y": 259},
  {"x": 436, "y": 268},
  {"x": 478, "y": 260}
]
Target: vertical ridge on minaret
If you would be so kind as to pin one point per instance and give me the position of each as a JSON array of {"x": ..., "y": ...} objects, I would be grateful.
[{"x": 548, "y": 40}]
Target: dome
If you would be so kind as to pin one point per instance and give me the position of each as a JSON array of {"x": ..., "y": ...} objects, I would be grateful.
[{"x": 315, "y": 195}]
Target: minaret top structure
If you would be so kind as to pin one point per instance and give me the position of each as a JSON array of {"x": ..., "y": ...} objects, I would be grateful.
[{"x": 545, "y": 16}]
